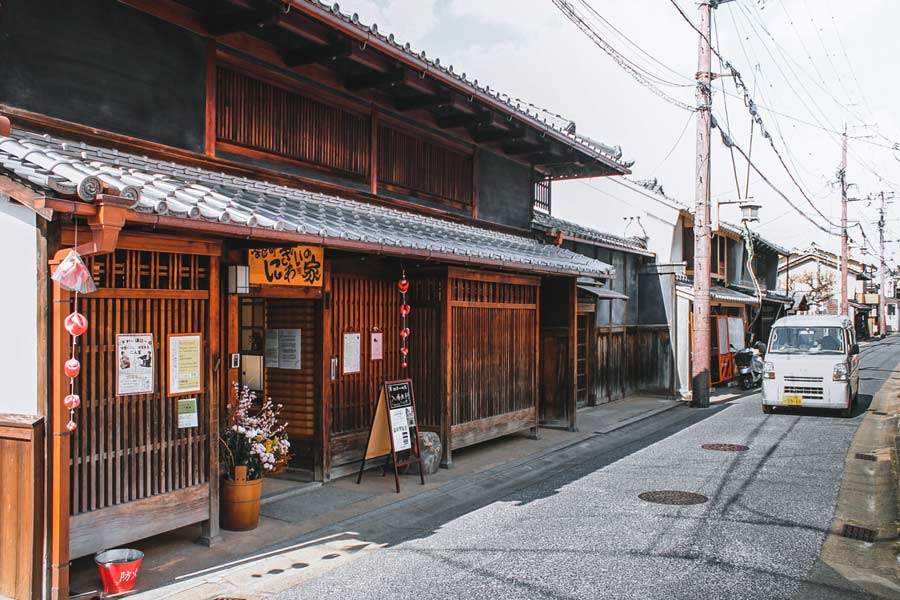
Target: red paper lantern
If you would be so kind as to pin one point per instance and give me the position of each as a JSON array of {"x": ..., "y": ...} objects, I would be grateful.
[
  {"x": 404, "y": 309},
  {"x": 71, "y": 425},
  {"x": 72, "y": 401},
  {"x": 404, "y": 333},
  {"x": 403, "y": 285},
  {"x": 72, "y": 368},
  {"x": 76, "y": 324}
]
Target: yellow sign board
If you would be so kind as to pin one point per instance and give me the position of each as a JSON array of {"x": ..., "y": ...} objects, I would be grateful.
[{"x": 299, "y": 266}]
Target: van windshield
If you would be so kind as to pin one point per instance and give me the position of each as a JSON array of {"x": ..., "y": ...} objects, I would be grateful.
[{"x": 807, "y": 340}]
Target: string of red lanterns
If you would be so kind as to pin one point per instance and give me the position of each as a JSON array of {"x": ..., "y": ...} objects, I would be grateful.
[
  {"x": 72, "y": 274},
  {"x": 403, "y": 286}
]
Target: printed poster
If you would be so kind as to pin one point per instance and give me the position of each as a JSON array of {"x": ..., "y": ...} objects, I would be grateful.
[
  {"x": 187, "y": 413},
  {"x": 185, "y": 363},
  {"x": 400, "y": 429},
  {"x": 134, "y": 363},
  {"x": 351, "y": 352}
]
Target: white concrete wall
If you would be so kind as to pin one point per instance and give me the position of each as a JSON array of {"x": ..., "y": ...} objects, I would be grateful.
[
  {"x": 18, "y": 305},
  {"x": 683, "y": 350}
]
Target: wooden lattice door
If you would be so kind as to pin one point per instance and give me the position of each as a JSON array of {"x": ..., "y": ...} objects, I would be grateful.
[{"x": 134, "y": 469}]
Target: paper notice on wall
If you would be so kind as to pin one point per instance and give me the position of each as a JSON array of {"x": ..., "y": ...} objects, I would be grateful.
[
  {"x": 187, "y": 413},
  {"x": 289, "y": 349},
  {"x": 134, "y": 363},
  {"x": 351, "y": 349},
  {"x": 400, "y": 429},
  {"x": 376, "y": 346},
  {"x": 185, "y": 363}
]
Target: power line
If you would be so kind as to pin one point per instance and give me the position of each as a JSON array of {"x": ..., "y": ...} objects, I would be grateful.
[
  {"x": 729, "y": 143},
  {"x": 569, "y": 11}
]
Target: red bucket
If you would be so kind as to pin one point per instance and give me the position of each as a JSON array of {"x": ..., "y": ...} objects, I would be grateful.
[{"x": 119, "y": 569}]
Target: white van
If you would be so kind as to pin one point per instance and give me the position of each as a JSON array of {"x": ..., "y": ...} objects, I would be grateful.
[{"x": 811, "y": 360}]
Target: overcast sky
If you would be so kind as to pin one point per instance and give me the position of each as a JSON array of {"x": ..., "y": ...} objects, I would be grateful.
[{"x": 818, "y": 63}]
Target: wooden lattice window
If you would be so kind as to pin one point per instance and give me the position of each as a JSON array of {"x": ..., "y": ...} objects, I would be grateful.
[
  {"x": 541, "y": 194},
  {"x": 260, "y": 116},
  {"x": 423, "y": 166}
]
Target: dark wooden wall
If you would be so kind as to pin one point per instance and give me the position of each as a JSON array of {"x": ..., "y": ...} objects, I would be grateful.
[
  {"x": 365, "y": 297},
  {"x": 493, "y": 355},
  {"x": 129, "y": 458},
  {"x": 106, "y": 65},
  {"x": 636, "y": 359},
  {"x": 504, "y": 190},
  {"x": 21, "y": 506},
  {"x": 298, "y": 391}
]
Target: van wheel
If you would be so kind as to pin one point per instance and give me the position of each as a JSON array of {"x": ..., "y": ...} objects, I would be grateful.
[{"x": 768, "y": 409}]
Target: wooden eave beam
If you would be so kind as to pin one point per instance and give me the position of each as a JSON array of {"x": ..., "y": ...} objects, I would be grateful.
[
  {"x": 297, "y": 57},
  {"x": 458, "y": 120},
  {"x": 484, "y": 134},
  {"x": 421, "y": 101},
  {"x": 374, "y": 80},
  {"x": 233, "y": 20}
]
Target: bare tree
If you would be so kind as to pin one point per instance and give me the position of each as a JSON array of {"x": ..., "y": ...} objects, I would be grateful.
[{"x": 818, "y": 286}]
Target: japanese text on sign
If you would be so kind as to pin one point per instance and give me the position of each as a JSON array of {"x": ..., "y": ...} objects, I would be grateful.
[{"x": 294, "y": 266}]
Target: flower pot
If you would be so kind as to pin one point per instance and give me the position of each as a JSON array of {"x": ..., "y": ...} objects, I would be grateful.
[{"x": 239, "y": 502}]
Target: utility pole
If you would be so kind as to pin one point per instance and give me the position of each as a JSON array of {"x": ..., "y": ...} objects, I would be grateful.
[
  {"x": 845, "y": 246},
  {"x": 882, "y": 267},
  {"x": 700, "y": 340}
]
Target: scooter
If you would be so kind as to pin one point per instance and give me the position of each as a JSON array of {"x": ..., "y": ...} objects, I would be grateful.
[{"x": 749, "y": 363}]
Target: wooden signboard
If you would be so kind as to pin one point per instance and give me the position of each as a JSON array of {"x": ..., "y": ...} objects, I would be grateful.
[
  {"x": 394, "y": 430},
  {"x": 299, "y": 266}
]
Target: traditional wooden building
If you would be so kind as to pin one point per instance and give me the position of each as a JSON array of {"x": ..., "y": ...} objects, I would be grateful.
[
  {"x": 247, "y": 181},
  {"x": 623, "y": 341}
]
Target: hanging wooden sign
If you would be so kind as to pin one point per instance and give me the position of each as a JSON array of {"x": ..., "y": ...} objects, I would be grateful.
[
  {"x": 394, "y": 430},
  {"x": 299, "y": 266}
]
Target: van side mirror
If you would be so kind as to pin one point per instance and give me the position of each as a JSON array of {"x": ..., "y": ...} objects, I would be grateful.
[{"x": 854, "y": 349}]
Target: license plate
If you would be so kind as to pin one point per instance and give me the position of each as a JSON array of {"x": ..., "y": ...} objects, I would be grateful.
[{"x": 792, "y": 399}]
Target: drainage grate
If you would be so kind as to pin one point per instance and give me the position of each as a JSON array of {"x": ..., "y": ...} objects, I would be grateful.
[
  {"x": 726, "y": 447},
  {"x": 672, "y": 497},
  {"x": 880, "y": 413},
  {"x": 856, "y": 532},
  {"x": 865, "y": 456}
]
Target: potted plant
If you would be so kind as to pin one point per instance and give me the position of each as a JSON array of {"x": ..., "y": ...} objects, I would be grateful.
[{"x": 255, "y": 444}]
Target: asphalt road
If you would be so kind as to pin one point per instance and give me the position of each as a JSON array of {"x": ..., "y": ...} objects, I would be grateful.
[{"x": 584, "y": 533}]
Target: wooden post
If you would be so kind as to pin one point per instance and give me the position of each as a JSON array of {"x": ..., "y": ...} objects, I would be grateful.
[
  {"x": 59, "y": 452},
  {"x": 209, "y": 533},
  {"x": 536, "y": 432},
  {"x": 327, "y": 384},
  {"x": 572, "y": 400},
  {"x": 373, "y": 156},
  {"x": 447, "y": 375},
  {"x": 209, "y": 138}
]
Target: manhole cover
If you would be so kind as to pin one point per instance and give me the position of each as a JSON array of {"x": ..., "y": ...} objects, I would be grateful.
[
  {"x": 726, "y": 447},
  {"x": 673, "y": 497}
]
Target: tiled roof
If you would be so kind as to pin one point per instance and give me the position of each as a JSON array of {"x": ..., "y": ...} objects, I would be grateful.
[
  {"x": 716, "y": 292},
  {"x": 548, "y": 223},
  {"x": 725, "y": 225},
  {"x": 70, "y": 168},
  {"x": 561, "y": 128}
]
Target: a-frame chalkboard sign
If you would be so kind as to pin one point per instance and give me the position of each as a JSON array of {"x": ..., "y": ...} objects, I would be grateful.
[{"x": 394, "y": 430}]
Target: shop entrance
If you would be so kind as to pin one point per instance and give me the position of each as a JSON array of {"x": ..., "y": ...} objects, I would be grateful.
[{"x": 278, "y": 343}]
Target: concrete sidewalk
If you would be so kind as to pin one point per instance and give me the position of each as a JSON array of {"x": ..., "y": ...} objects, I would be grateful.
[{"x": 302, "y": 516}]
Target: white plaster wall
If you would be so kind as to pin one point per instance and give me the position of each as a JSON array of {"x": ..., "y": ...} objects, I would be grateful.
[
  {"x": 18, "y": 303},
  {"x": 683, "y": 351}
]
